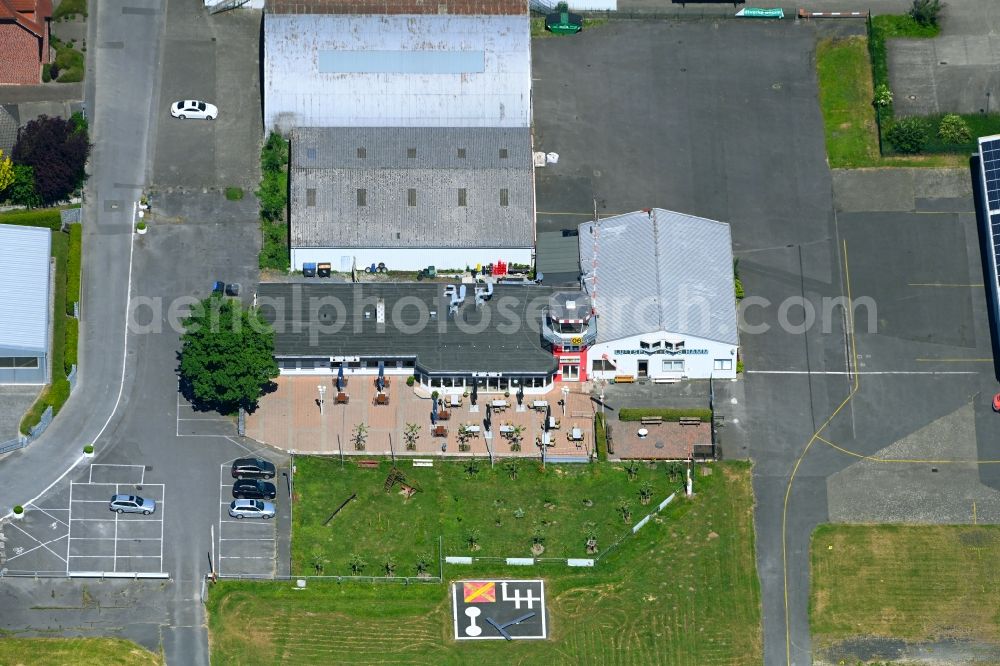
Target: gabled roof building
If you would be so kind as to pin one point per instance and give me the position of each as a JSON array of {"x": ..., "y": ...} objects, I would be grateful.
[
  {"x": 24, "y": 310},
  {"x": 24, "y": 40}
]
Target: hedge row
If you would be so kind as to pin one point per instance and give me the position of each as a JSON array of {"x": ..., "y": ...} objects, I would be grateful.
[
  {"x": 602, "y": 437},
  {"x": 666, "y": 413},
  {"x": 73, "y": 266},
  {"x": 72, "y": 340},
  {"x": 39, "y": 217}
]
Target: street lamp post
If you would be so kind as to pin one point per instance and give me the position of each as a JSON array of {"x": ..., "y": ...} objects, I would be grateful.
[{"x": 322, "y": 397}]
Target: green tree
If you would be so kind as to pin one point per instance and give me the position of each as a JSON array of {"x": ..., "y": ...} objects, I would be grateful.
[
  {"x": 908, "y": 135},
  {"x": 6, "y": 172},
  {"x": 954, "y": 129},
  {"x": 227, "y": 355},
  {"x": 21, "y": 191},
  {"x": 883, "y": 95},
  {"x": 925, "y": 12}
]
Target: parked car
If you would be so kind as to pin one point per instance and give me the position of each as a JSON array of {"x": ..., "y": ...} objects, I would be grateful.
[
  {"x": 253, "y": 468},
  {"x": 192, "y": 108},
  {"x": 248, "y": 508},
  {"x": 253, "y": 489},
  {"x": 132, "y": 504},
  {"x": 229, "y": 289},
  {"x": 563, "y": 22},
  {"x": 996, "y": 403}
]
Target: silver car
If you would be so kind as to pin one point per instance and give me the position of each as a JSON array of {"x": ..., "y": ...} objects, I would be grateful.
[
  {"x": 246, "y": 508},
  {"x": 132, "y": 504}
]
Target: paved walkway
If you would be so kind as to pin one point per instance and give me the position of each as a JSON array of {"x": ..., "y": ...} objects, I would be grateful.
[
  {"x": 290, "y": 419},
  {"x": 52, "y": 92}
]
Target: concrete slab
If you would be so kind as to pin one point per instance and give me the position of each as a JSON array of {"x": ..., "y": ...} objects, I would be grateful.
[{"x": 14, "y": 402}]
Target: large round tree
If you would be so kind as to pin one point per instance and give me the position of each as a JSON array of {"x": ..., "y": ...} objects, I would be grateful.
[
  {"x": 56, "y": 149},
  {"x": 227, "y": 358}
]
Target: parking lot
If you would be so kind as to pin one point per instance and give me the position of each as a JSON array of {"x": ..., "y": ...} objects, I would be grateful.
[
  {"x": 72, "y": 531},
  {"x": 248, "y": 547},
  {"x": 193, "y": 423}
]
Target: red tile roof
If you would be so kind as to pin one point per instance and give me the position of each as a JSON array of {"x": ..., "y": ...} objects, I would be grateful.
[
  {"x": 461, "y": 7},
  {"x": 29, "y": 14}
]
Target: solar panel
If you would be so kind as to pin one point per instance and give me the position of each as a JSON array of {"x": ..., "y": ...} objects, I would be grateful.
[{"x": 990, "y": 158}]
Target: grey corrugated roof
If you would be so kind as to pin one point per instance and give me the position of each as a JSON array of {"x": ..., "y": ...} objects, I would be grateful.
[
  {"x": 298, "y": 94},
  {"x": 660, "y": 271},
  {"x": 386, "y": 174},
  {"x": 24, "y": 288},
  {"x": 308, "y": 317}
]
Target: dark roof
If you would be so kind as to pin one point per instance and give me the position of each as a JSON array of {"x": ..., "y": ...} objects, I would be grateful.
[
  {"x": 484, "y": 198},
  {"x": 327, "y": 319},
  {"x": 467, "y": 7}
]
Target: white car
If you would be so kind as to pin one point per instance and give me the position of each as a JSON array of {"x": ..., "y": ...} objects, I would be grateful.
[
  {"x": 248, "y": 508},
  {"x": 192, "y": 108}
]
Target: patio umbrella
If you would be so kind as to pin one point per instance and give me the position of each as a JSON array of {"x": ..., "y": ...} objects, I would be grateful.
[
  {"x": 340, "y": 377},
  {"x": 488, "y": 420},
  {"x": 475, "y": 392},
  {"x": 520, "y": 395},
  {"x": 380, "y": 382},
  {"x": 434, "y": 412}
]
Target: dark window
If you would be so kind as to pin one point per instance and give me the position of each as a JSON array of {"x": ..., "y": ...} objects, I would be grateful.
[
  {"x": 503, "y": 153},
  {"x": 362, "y": 153},
  {"x": 311, "y": 197},
  {"x": 411, "y": 197},
  {"x": 311, "y": 153},
  {"x": 503, "y": 197},
  {"x": 461, "y": 196},
  {"x": 362, "y": 197},
  {"x": 461, "y": 153},
  {"x": 411, "y": 153}
]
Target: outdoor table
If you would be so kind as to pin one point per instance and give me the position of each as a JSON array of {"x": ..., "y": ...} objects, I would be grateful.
[
  {"x": 382, "y": 399},
  {"x": 540, "y": 404},
  {"x": 454, "y": 401},
  {"x": 506, "y": 429},
  {"x": 342, "y": 398},
  {"x": 500, "y": 404},
  {"x": 553, "y": 424},
  {"x": 440, "y": 431},
  {"x": 444, "y": 415},
  {"x": 472, "y": 428},
  {"x": 642, "y": 433},
  {"x": 576, "y": 434},
  {"x": 547, "y": 439}
]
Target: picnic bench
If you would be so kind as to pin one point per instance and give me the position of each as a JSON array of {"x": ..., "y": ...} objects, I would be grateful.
[
  {"x": 423, "y": 462},
  {"x": 439, "y": 431},
  {"x": 381, "y": 399},
  {"x": 341, "y": 399},
  {"x": 690, "y": 420},
  {"x": 368, "y": 464},
  {"x": 624, "y": 379},
  {"x": 651, "y": 420},
  {"x": 444, "y": 415}
]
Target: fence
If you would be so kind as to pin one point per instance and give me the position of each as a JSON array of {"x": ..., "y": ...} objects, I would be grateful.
[
  {"x": 43, "y": 423},
  {"x": 13, "y": 444},
  {"x": 403, "y": 580},
  {"x": 876, "y": 81},
  {"x": 71, "y": 378}
]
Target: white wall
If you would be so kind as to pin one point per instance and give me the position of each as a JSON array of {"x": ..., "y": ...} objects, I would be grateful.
[
  {"x": 408, "y": 259},
  {"x": 695, "y": 365}
]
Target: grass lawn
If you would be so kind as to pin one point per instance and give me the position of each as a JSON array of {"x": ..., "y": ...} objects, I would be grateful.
[
  {"x": 76, "y": 651},
  {"x": 451, "y": 503},
  {"x": 915, "y": 583},
  {"x": 684, "y": 591},
  {"x": 845, "y": 96}
]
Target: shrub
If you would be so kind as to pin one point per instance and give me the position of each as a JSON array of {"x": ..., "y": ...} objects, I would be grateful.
[
  {"x": 925, "y": 12},
  {"x": 18, "y": 509},
  {"x": 274, "y": 154},
  {"x": 234, "y": 193},
  {"x": 22, "y": 191},
  {"x": 71, "y": 344},
  {"x": 883, "y": 95},
  {"x": 273, "y": 196},
  {"x": 954, "y": 129},
  {"x": 602, "y": 438},
  {"x": 141, "y": 226},
  {"x": 46, "y": 73},
  {"x": 666, "y": 413},
  {"x": 89, "y": 448},
  {"x": 274, "y": 250},
  {"x": 908, "y": 135},
  {"x": 411, "y": 380},
  {"x": 73, "y": 266},
  {"x": 57, "y": 151},
  {"x": 42, "y": 217}
]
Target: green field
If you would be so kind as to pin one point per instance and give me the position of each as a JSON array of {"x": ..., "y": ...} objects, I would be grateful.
[
  {"x": 845, "y": 96},
  {"x": 915, "y": 583},
  {"x": 682, "y": 592},
  {"x": 76, "y": 651},
  {"x": 557, "y": 503}
]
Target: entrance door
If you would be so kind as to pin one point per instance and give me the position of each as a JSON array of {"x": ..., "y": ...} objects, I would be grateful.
[
  {"x": 570, "y": 372},
  {"x": 643, "y": 369}
]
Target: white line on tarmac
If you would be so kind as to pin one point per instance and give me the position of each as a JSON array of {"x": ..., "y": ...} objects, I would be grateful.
[
  {"x": 51, "y": 516},
  {"x": 260, "y": 539},
  {"x": 40, "y": 545}
]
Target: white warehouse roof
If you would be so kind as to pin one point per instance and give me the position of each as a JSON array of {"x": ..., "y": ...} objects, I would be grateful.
[
  {"x": 323, "y": 70},
  {"x": 24, "y": 289},
  {"x": 658, "y": 270}
]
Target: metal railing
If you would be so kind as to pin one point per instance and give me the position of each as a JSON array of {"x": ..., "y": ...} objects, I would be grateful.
[{"x": 586, "y": 337}]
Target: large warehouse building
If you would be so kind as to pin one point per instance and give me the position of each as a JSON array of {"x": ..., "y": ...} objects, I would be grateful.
[
  {"x": 411, "y": 197},
  {"x": 24, "y": 310}
]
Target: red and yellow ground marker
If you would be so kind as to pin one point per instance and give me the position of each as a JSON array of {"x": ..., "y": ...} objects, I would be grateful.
[{"x": 480, "y": 593}]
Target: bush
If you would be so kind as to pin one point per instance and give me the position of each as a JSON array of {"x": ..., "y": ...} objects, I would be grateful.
[
  {"x": 925, "y": 12},
  {"x": 234, "y": 193},
  {"x": 141, "y": 226},
  {"x": 71, "y": 343},
  {"x": 22, "y": 191},
  {"x": 73, "y": 266},
  {"x": 42, "y": 217},
  {"x": 954, "y": 129},
  {"x": 89, "y": 448},
  {"x": 274, "y": 154},
  {"x": 273, "y": 196},
  {"x": 274, "y": 250},
  {"x": 411, "y": 380},
  {"x": 883, "y": 95},
  {"x": 908, "y": 135},
  {"x": 57, "y": 151},
  {"x": 666, "y": 413},
  {"x": 18, "y": 509},
  {"x": 602, "y": 438},
  {"x": 46, "y": 73}
]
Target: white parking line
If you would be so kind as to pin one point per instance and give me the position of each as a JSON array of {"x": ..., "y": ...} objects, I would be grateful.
[
  {"x": 142, "y": 469},
  {"x": 40, "y": 545},
  {"x": 261, "y": 539},
  {"x": 244, "y": 557},
  {"x": 114, "y": 563},
  {"x": 69, "y": 530},
  {"x": 49, "y": 514},
  {"x": 135, "y": 556}
]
